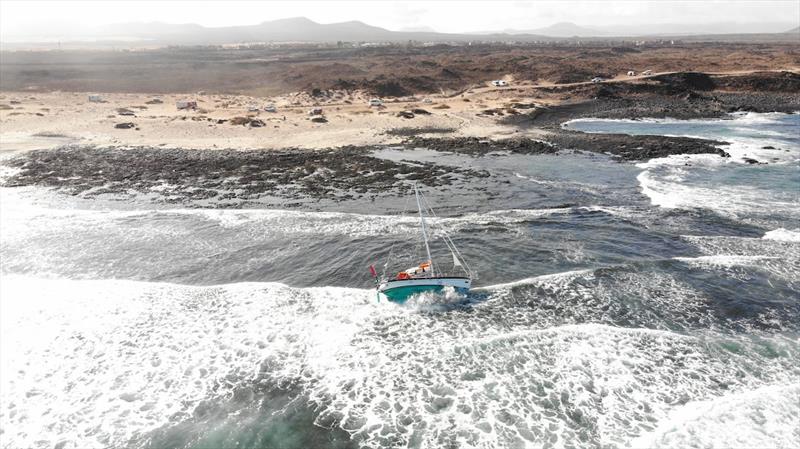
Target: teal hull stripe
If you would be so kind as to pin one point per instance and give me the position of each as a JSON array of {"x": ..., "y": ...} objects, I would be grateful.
[{"x": 401, "y": 294}]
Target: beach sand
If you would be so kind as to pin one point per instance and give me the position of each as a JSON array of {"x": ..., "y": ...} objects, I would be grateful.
[{"x": 48, "y": 120}]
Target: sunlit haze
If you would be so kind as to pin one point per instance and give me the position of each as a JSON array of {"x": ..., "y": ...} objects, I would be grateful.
[{"x": 51, "y": 18}]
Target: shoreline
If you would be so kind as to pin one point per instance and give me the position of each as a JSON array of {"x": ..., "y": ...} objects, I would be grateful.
[
  {"x": 221, "y": 146},
  {"x": 524, "y": 111}
]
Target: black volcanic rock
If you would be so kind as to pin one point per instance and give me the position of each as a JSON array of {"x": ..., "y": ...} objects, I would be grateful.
[{"x": 687, "y": 80}]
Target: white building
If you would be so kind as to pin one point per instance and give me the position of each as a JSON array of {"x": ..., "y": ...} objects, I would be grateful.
[{"x": 186, "y": 104}]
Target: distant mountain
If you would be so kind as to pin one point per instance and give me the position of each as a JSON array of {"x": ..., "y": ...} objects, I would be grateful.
[
  {"x": 292, "y": 29},
  {"x": 568, "y": 29},
  {"x": 301, "y": 29},
  {"x": 561, "y": 29},
  {"x": 296, "y": 29},
  {"x": 688, "y": 29},
  {"x": 794, "y": 30},
  {"x": 423, "y": 29}
]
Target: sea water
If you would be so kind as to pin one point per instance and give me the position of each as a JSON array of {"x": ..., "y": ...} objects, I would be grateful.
[{"x": 618, "y": 305}]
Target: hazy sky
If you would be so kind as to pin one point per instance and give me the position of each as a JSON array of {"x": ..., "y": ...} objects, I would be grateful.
[{"x": 31, "y": 17}]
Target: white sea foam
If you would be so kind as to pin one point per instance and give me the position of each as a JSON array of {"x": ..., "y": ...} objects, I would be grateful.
[
  {"x": 766, "y": 417},
  {"x": 779, "y": 257},
  {"x": 589, "y": 188},
  {"x": 96, "y": 363},
  {"x": 736, "y": 117},
  {"x": 668, "y": 191},
  {"x": 545, "y": 279},
  {"x": 784, "y": 235},
  {"x": 727, "y": 260},
  {"x": 20, "y": 212},
  {"x": 710, "y": 181}
]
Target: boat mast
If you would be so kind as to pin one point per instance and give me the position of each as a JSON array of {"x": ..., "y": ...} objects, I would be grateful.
[{"x": 424, "y": 232}]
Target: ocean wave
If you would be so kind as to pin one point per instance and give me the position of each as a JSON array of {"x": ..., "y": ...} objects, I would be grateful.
[
  {"x": 542, "y": 279},
  {"x": 726, "y": 260},
  {"x": 141, "y": 356},
  {"x": 779, "y": 257},
  {"x": 762, "y": 417},
  {"x": 737, "y": 117},
  {"x": 783, "y": 235},
  {"x": 133, "y": 354},
  {"x": 580, "y": 329},
  {"x": 669, "y": 190},
  {"x": 20, "y": 213}
]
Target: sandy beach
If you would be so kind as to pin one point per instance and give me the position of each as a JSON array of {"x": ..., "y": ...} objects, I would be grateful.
[
  {"x": 38, "y": 120},
  {"x": 47, "y": 120}
]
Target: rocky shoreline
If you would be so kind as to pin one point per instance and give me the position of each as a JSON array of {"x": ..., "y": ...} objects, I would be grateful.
[
  {"x": 178, "y": 175},
  {"x": 622, "y": 146},
  {"x": 356, "y": 171},
  {"x": 691, "y": 105}
]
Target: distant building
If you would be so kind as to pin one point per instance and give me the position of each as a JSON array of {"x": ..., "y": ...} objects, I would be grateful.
[
  {"x": 185, "y": 104},
  {"x": 95, "y": 98}
]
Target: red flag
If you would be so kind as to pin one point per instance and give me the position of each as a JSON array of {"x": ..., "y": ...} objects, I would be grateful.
[{"x": 372, "y": 270}]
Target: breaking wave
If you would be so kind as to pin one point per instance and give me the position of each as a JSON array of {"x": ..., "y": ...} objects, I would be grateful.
[{"x": 144, "y": 356}]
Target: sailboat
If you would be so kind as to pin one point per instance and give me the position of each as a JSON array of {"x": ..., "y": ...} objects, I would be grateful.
[{"x": 427, "y": 276}]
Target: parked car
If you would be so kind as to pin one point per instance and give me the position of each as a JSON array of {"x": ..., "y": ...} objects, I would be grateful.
[
  {"x": 315, "y": 111},
  {"x": 597, "y": 79},
  {"x": 499, "y": 83},
  {"x": 375, "y": 102},
  {"x": 270, "y": 108}
]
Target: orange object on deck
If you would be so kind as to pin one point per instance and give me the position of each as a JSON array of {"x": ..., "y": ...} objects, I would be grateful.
[{"x": 403, "y": 275}]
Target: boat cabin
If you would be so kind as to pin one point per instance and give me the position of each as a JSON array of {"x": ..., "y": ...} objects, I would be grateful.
[{"x": 422, "y": 269}]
